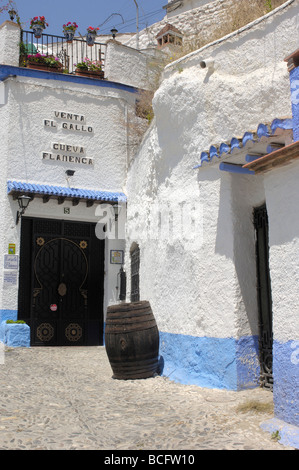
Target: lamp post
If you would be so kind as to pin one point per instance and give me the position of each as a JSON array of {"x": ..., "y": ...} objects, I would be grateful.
[
  {"x": 12, "y": 13},
  {"x": 23, "y": 204},
  {"x": 113, "y": 32},
  {"x": 137, "y": 25}
]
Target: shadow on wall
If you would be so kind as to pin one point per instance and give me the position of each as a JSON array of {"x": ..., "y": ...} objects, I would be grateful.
[{"x": 238, "y": 195}]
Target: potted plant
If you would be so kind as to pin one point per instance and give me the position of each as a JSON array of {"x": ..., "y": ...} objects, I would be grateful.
[
  {"x": 44, "y": 62},
  {"x": 38, "y": 24},
  {"x": 89, "y": 68},
  {"x": 69, "y": 30},
  {"x": 53, "y": 63},
  {"x": 81, "y": 66},
  {"x": 91, "y": 35}
]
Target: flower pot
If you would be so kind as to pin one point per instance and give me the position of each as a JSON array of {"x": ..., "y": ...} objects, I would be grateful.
[
  {"x": 37, "y": 30},
  {"x": 43, "y": 67},
  {"x": 90, "y": 73},
  {"x": 69, "y": 36},
  {"x": 90, "y": 38}
]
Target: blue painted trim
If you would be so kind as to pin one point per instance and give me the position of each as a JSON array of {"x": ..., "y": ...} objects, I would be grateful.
[
  {"x": 271, "y": 149},
  {"x": 204, "y": 157},
  {"x": 252, "y": 158},
  {"x": 262, "y": 131},
  {"x": 248, "y": 363},
  {"x": 63, "y": 191},
  {"x": 223, "y": 363},
  {"x": 213, "y": 152},
  {"x": 294, "y": 77},
  {"x": 6, "y": 314},
  {"x": 286, "y": 380},
  {"x": 282, "y": 124},
  {"x": 235, "y": 144},
  {"x": 248, "y": 136},
  {"x": 235, "y": 169},
  {"x": 289, "y": 435},
  {"x": 9, "y": 70},
  {"x": 15, "y": 335},
  {"x": 224, "y": 148}
]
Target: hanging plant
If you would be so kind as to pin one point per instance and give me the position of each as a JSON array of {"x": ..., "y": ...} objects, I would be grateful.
[
  {"x": 91, "y": 35},
  {"x": 38, "y": 24},
  {"x": 69, "y": 30}
]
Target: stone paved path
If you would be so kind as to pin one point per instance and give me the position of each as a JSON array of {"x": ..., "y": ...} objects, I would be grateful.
[{"x": 65, "y": 398}]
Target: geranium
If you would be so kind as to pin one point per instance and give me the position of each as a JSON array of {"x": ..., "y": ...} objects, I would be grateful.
[
  {"x": 70, "y": 26},
  {"x": 38, "y": 20},
  {"x": 90, "y": 29},
  {"x": 48, "y": 60},
  {"x": 95, "y": 65},
  {"x": 87, "y": 64},
  {"x": 51, "y": 61},
  {"x": 82, "y": 65},
  {"x": 38, "y": 58}
]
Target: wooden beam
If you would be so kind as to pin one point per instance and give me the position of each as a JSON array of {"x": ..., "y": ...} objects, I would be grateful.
[
  {"x": 292, "y": 60},
  {"x": 275, "y": 159}
]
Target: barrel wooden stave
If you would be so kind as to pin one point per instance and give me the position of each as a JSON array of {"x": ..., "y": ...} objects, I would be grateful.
[{"x": 132, "y": 340}]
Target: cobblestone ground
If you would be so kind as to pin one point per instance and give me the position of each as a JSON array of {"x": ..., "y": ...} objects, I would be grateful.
[{"x": 65, "y": 398}]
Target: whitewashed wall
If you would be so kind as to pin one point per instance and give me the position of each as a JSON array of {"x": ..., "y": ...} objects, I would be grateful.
[
  {"x": 32, "y": 101},
  {"x": 126, "y": 65},
  {"x": 28, "y": 102},
  {"x": 9, "y": 43},
  {"x": 208, "y": 290}
]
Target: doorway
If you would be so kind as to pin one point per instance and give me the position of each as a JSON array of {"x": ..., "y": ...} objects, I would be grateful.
[
  {"x": 264, "y": 296},
  {"x": 61, "y": 284}
]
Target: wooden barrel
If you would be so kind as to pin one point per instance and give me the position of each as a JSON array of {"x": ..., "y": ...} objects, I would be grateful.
[{"x": 132, "y": 340}]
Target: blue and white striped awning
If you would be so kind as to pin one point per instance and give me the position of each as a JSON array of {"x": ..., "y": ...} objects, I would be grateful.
[{"x": 16, "y": 187}]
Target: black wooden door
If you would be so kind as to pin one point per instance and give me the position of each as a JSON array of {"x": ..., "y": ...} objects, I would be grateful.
[
  {"x": 62, "y": 298},
  {"x": 264, "y": 296}
]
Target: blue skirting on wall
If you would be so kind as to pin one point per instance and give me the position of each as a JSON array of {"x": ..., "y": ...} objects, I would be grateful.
[
  {"x": 286, "y": 381},
  {"x": 8, "y": 315},
  {"x": 223, "y": 363},
  {"x": 13, "y": 334}
]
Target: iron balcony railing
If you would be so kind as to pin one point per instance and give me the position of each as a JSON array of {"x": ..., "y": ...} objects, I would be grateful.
[{"x": 69, "y": 54}]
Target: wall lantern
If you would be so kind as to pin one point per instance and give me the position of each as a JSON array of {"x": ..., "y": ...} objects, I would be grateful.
[
  {"x": 23, "y": 204},
  {"x": 12, "y": 13},
  {"x": 114, "y": 32}
]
